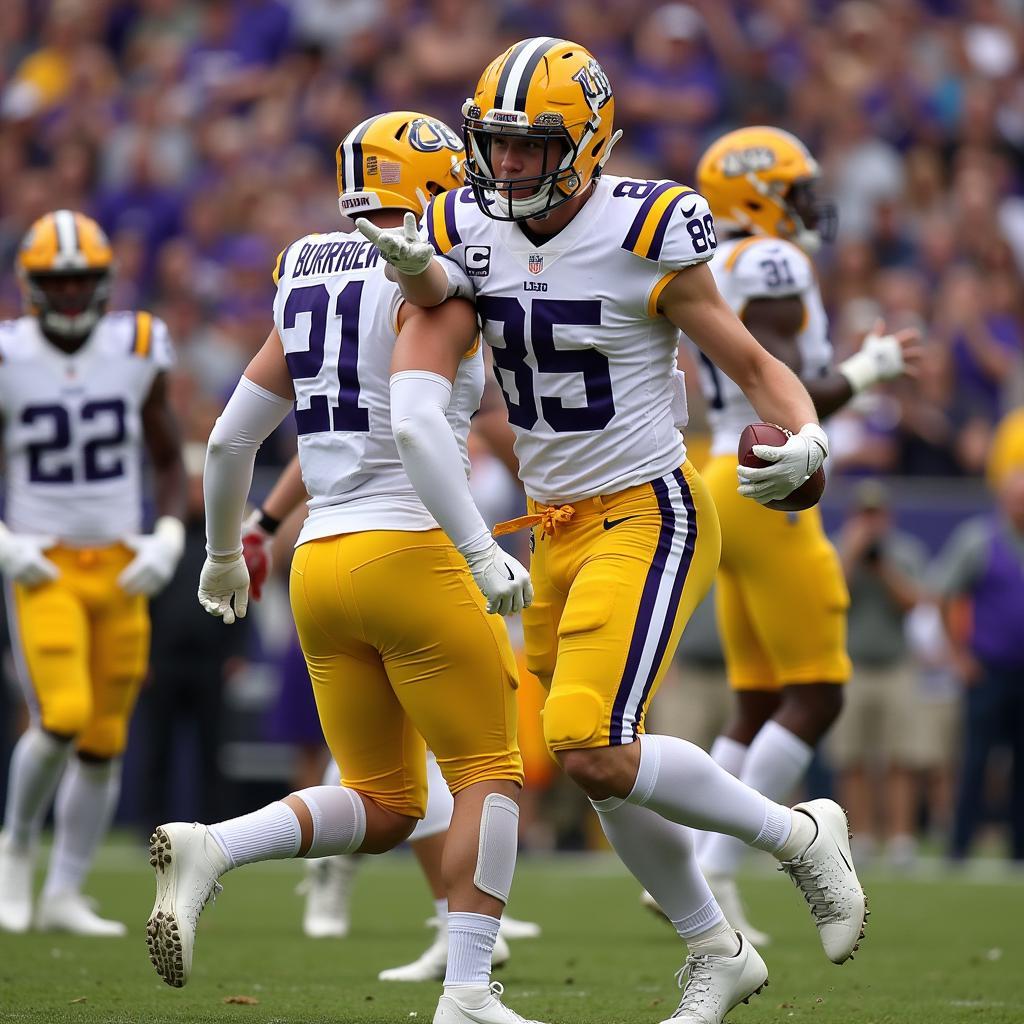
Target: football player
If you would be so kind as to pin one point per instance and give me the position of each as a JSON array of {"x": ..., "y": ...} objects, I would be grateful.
[
  {"x": 329, "y": 880},
  {"x": 781, "y": 597},
  {"x": 395, "y": 634},
  {"x": 82, "y": 391},
  {"x": 583, "y": 282}
]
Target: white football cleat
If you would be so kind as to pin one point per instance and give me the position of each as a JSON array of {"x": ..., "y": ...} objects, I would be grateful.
[
  {"x": 825, "y": 875},
  {"x": 433, "y": 964},
  {"x": 72, "y": 912},
  {"x": 714, "y": 985},
  {"x": 476, "y": 1004},
  {"x": 513, "y": 929},
  {"x": 188, "y": 861},
  {"x": 727, "y": 895},
  {"x": 328, "y": 889},
  {"x": 16, "y": 867}
]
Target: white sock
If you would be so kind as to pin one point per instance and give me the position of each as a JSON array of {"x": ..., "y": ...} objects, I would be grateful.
[
  {"x": 681, "y": 782},
  {"x": 776, "y": 761},
  {"x": 660, "y": 855},
  {"x": 729, "y": 753},
  {"x": 471, "y": 939},
  {"x": 86, "y": 800},
  {"x": 718, "y": 940},
  {"x": 440, "y": 804},
  {"x": 441, "y": 913},
  {"x": 36, "y": 766},
  {"x": 271, "y": 833}
]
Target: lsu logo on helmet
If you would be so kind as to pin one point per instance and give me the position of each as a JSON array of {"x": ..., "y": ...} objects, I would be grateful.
[
  {"x": 397, "y": 161},
  {"x": 761, "y": 180},
  {"x": 65, "y": 245},
  {"x": 428, "y": 135},
  {"x": 552, "y": 91}
]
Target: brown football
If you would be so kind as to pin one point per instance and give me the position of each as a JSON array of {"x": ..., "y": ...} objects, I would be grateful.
[{"x": 807, "y": 494}]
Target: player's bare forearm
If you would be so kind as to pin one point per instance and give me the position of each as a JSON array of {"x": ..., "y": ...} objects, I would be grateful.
[
  {"x": 434, "y": 339},
  {"x": 163, "y": 442},
  {"x": 427, "y": 289},
  {"x": 692, "y": 302},
  {"x": 287, "y": 494},
  {"x": 776, "y": 323}
]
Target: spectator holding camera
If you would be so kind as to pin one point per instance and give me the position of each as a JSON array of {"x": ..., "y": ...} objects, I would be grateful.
[
  {"x": 982, "y": 568},
  {"x": 871, "y": 738}
]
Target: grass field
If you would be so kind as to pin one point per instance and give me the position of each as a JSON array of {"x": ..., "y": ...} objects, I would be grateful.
[{"x": 943, "y": 951}]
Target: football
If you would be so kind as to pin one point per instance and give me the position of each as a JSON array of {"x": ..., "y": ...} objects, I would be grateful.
[{"x": 807, "y": 494}]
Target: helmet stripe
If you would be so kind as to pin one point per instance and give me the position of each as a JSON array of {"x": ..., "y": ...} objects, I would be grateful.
[
  {"x": 523, "y": 66},
  {"x": 352, "y": 152},
  {"x": 67, "y": 233},
  {"x": 499, "y": 92}
]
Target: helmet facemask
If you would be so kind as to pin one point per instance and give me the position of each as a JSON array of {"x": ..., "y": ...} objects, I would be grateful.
[
  {"x": 549, "y": 189},
  {"x": 66, "y": 313},
  {"x": 815, "y": 220}
]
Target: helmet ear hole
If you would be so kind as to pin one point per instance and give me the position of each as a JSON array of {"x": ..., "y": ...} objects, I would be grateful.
[
  {"x": 434, "y": 188},
  {"x": 751, "y": 205}
]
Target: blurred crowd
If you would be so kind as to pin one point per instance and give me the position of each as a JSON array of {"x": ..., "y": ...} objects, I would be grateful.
[{"x": 201, "y": 134}]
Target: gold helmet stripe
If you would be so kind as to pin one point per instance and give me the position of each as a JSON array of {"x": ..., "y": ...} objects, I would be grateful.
[
  {"x": 67, "y": 235},
  {"x": 143, "y": 333},
  {"x": 514, "y": 83}
]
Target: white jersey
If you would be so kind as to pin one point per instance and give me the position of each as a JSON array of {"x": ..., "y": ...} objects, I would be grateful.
[
  {"x": 72, "y": 426},
  {"x": 758, "y": 267},
  {"x": 583, "y": 358},
  {"x": 336, "y": 314}
]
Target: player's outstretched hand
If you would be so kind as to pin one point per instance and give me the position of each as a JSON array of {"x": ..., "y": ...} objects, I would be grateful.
[
  {"x": 22, "y": 559},
  {"x": 883, "y": 357},
  {"x": 502, "y": 580},
  {"x": 156, "y": 557},
  {"x": 224, "y": 586},
  {"x": 258, "y": 552},
  {"x": 791, "y": 464},
  {"x": 401, "y": 247}
]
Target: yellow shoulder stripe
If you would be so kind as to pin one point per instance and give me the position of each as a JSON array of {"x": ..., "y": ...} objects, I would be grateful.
[
  {"x": 143, "y": 333},
  {"x": 439, "y": 227},
  {"x": 279, "y": 264},
  {"x": 647, "y": 234},
  {"x": 731, "y": 259}
]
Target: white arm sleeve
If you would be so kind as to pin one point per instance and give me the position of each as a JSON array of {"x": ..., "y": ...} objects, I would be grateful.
[
  {"x": 250, "y": 417},
  {"x": 431, "y": 457}
]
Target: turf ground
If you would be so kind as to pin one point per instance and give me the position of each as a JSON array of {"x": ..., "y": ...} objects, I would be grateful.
[{"x": 939, "y": 951}]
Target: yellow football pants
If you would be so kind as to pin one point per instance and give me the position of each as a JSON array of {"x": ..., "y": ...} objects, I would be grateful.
[
  {"x": 781, "y": 596},
  {"x": 614, "y": 586},
  {"x": 400, "y": 649},
  {"x": 83, "y": 644}
]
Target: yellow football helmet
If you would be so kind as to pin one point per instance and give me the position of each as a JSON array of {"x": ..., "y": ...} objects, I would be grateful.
[
  {"x": 65, "y": 268},
  {"x": 762, "y": 181},
  {"x": 546, "y": 89},
  {"x": 397, "y": 161}
]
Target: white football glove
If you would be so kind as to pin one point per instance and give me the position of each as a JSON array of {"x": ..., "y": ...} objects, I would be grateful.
[
  {"x": 224, "y": 586},
  {"x": 502, "y": 580},
  {"x": 791, "y": 464},
  {"x": 880, "y": 358},
  {"x": 22, "y": 559},
  {"x": 401, "y": 247},
  {"x": 156, "y": 557}
]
